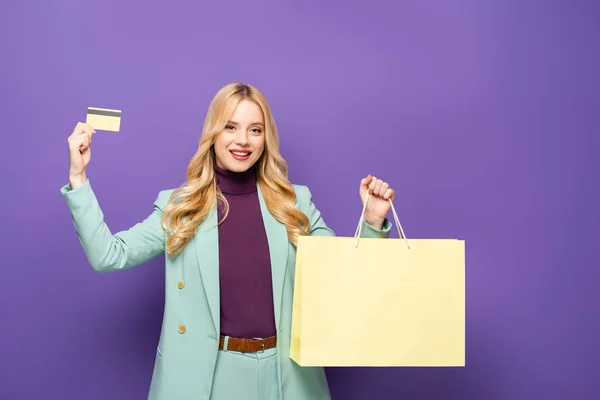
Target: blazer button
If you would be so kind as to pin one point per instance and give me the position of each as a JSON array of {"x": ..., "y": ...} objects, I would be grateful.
[
  {"x": 181, "y": 328},
  {"x": 180, "y": 284}
]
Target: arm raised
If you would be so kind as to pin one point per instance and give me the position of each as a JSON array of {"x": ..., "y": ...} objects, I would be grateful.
[{"x": 104, "y": 250}]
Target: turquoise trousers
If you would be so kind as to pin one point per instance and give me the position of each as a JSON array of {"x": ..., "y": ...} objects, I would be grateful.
[{"x": 245, "y": 376}]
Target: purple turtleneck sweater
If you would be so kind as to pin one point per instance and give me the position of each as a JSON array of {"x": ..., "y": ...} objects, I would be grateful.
[{"x": 246, "y": 292}]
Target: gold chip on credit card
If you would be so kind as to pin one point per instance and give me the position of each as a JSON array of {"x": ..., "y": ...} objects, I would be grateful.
[{"x": 104, "y": 119}]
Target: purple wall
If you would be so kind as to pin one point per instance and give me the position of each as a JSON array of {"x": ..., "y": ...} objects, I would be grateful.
[{"x": 482, "y": 115}]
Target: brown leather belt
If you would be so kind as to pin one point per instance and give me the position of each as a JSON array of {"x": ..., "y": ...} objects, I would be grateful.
[{"x": 248, "y": 345}]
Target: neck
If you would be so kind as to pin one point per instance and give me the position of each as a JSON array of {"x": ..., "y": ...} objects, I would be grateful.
[{"x": 236, "y": 182}]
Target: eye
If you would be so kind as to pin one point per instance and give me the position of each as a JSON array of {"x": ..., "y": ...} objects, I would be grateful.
[{"x": 256, "y": 131}]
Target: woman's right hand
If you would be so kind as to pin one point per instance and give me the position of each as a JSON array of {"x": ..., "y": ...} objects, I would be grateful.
[{"x": 79, "y": 153}]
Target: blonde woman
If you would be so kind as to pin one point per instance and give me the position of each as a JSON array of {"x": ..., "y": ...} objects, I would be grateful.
[{"x": 229, "y": 235}]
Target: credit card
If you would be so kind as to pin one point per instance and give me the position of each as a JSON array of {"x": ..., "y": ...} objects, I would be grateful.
[{"x": 104, "y": 119}]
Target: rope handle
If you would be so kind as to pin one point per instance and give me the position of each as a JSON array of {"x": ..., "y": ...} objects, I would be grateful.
[{"x": 362, "y": 218}]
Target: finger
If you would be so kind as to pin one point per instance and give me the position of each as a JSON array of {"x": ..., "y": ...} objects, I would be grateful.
[
  {"x": 389, "y": 194},
  {"x": 85, "y": 143},
  {"x": 364, "y": 182},
  {"x": 81, "y": 143},
  {"x": 372, "y": 185},
  {"x": 81, "y": 128},
  {"x": 81, "y": 136},
  {"x": 79, "y": 131},
  {"x": 76, "y": 130},
  {"x": 383, "y": 188},
  {"x": 75, "y": 140},
  {"x": 88, "y": 128},
  {"x": 377, "y": 187}
]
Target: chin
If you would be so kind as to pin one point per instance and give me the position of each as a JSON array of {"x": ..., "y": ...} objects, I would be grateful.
[
  {"x": 228, "y": 162},
  {"x": 238, "y": 167}
]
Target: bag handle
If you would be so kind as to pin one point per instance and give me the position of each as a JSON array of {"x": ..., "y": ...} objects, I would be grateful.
[{"x": 362, "y": 218}]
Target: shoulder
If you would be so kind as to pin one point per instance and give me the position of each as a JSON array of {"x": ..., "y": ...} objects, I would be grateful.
[
  {"x": 303, "y": 197},
  {"x": 163, "y": 198},
  {"x": 302, "y": 192}
]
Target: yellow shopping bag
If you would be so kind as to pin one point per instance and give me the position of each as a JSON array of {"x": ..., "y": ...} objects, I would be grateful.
[{"x": 379, "y": 302}]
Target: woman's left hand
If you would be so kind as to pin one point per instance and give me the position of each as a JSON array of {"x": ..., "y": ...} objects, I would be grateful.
[{"x": 378, "y": 204}]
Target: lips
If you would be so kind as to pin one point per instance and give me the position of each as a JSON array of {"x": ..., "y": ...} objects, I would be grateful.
[{"x": 240, "y": 155}]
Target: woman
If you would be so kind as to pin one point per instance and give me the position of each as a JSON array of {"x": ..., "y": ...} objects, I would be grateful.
[{"x": 229, "y": 235}]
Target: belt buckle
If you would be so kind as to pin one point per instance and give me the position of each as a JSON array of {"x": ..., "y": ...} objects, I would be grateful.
[{"x": 262, "y": 341}]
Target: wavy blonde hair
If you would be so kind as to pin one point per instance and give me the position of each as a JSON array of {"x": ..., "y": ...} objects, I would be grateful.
[{"x": 192, "y": 202}]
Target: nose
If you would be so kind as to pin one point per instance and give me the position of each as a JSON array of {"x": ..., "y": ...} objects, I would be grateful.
[{"x": 241, "y": 138}]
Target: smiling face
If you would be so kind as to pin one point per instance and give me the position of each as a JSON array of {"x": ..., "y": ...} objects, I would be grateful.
[{"x": 241, "y": 143}]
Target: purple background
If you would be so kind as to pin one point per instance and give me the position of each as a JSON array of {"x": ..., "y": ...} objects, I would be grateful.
[{"x": 482, "y": 115}]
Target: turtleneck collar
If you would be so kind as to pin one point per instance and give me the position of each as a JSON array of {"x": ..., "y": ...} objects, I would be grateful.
[{"x": 236, "y": 182}]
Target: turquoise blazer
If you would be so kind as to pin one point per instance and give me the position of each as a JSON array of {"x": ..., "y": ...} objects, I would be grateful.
[{"x": 187, "y": 349}]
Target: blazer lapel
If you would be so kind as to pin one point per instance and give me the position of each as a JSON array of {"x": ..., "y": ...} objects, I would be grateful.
[
  {"x": 278, "y": 251},
  {"x": 207, "y": 254}
]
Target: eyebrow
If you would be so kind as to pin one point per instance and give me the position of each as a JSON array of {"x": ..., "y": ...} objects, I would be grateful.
[{"x": 254, "y": 123}]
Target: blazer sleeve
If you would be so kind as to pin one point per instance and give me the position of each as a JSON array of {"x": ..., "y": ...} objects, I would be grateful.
[
  {"x": 104, "y": 250},
  {"x": 318, "y": 227}
]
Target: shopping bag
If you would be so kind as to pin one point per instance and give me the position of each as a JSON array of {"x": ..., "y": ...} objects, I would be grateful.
[{"x": 378, "y": 302}]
